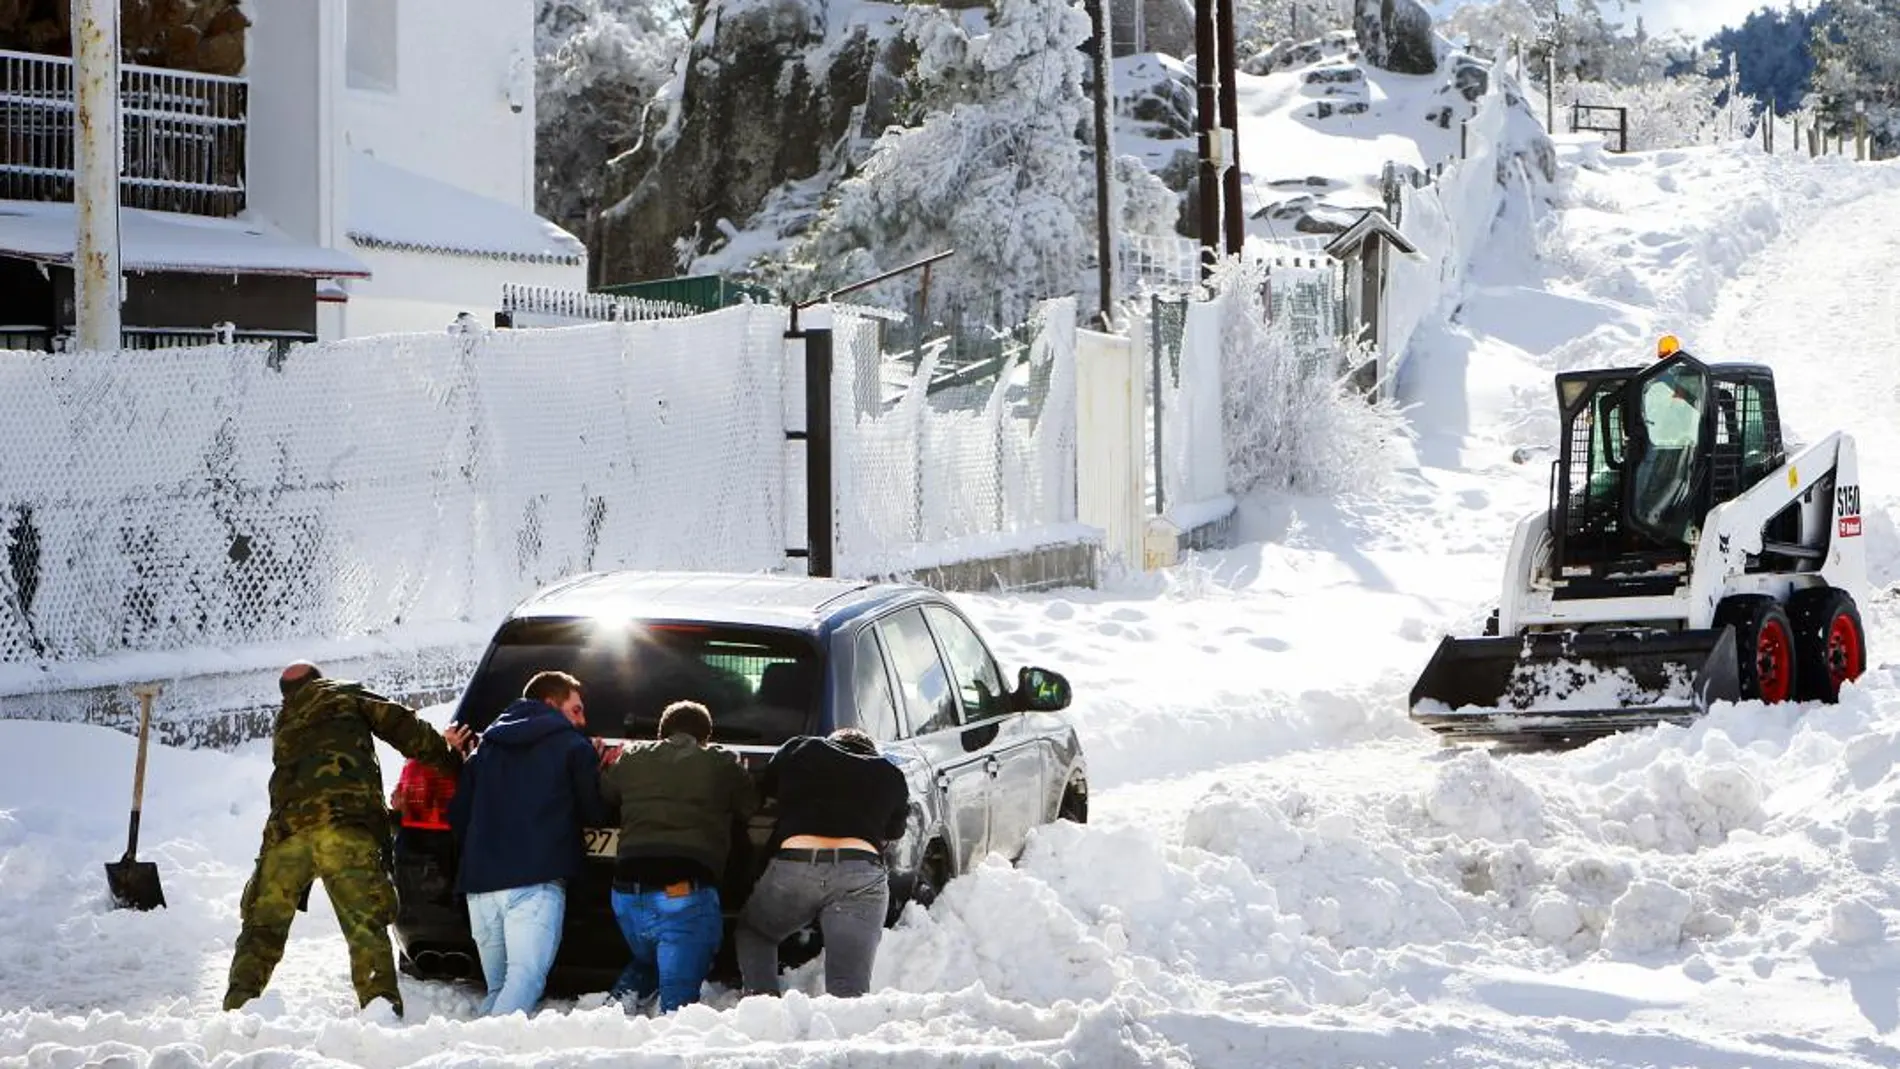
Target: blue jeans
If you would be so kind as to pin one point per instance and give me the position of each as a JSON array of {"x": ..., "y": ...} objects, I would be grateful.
[
  {"x": 516, "y": 933},
  {"x": 673, "y": 941}
]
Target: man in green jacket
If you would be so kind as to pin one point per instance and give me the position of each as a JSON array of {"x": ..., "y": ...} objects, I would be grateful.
[
  {"x": 678, "y": 802},
  {"x": 328, "y": 821}
]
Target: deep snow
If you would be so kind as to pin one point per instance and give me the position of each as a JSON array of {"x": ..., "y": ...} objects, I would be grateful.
[{"x": 1280, "y": 869}]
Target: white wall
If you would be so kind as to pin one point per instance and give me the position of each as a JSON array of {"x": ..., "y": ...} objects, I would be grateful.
[
  {"x": 292, "y": 62},
  {"x": 416, "y": 292},
  {"x": 450, "y": 116}
]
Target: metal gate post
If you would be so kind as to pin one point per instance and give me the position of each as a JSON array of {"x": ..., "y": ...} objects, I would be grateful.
[
  {"x": 819, "y": 518},
  {"x": 1154, "y": 357}
]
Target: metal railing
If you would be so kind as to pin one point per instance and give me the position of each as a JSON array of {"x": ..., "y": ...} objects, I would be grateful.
[
  {"x": 50, "y": 340},
  {"x": 184, "y": 135},
  {"x": 548, "y": 306}
]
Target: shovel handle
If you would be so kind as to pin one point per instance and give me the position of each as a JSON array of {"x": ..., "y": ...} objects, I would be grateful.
[{"x": 145, "y": 695}]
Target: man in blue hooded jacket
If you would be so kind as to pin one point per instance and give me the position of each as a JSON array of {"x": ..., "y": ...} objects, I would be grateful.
[{"x": 525, "y": 794}]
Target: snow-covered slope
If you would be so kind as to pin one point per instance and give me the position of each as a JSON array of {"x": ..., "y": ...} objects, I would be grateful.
[{"x": 1281, "y": 870}]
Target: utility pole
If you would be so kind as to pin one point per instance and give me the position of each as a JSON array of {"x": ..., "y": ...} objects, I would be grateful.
[
  {"x": 1206, "y": 115},
  {"x": 1104, "y": 233},
  {"x": 1235, "y": 218},
  {"x": 1550, "y": 72},
  {"x": 95, "y": 25}
]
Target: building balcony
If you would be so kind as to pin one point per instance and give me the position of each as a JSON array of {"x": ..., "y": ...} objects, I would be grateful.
[{"x": 184, "y": 135}]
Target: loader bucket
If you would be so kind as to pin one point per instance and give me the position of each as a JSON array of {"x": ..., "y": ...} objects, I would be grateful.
[{"x": 1571, "y": 685}]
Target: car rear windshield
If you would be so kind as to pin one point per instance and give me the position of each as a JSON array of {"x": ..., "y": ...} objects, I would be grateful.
[{"x": 759, "y": 683}]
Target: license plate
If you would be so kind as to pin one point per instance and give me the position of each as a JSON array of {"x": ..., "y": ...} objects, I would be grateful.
[{"x": 601, "y": 842}]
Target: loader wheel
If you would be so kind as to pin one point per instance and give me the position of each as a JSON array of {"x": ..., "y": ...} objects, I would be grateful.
[
  {"x": 1764, "y": 646},
  {"x": 1829, "y": 645}
]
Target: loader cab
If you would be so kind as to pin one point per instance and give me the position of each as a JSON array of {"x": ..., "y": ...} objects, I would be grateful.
[{"x": 1646, "y": 453}]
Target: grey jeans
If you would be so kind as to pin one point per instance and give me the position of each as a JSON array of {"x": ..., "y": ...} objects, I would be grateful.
[{"x": 847, "y": 898}]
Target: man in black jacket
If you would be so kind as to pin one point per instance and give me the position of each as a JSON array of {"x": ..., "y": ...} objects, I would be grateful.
[
  {"x": 839, "y": 801},
  {"x": 678, "y": 802},
  {"x": 524, "y": 797}
]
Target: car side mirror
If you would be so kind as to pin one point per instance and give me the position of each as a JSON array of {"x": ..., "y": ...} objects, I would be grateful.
[{"x": 1040, "y": 690}]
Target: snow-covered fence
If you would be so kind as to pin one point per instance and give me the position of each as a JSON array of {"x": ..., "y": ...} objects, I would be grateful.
[
  {"x": 980, "y": 470},
  {"x": 186, "y": 498},
  {"x": 1444, "y": 219},
  {"x": 1192, "y": 472},
  {"x": 1159, "y": 263}
]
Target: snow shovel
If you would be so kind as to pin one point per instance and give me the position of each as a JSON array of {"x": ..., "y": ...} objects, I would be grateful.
[{"x": 134, "y": 883}]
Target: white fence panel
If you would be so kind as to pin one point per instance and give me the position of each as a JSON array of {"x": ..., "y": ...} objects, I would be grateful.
[
  {"x": 1110, "y": 488},
  {"x": 1445, "y": 221},
  {"x": 1194, "y": 466}
]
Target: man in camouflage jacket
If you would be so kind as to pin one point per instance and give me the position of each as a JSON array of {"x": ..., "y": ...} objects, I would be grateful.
[{"x": 328, "y": 821}]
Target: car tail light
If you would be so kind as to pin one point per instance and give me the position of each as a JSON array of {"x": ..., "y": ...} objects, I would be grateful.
[{"x": 421, "y": 798}]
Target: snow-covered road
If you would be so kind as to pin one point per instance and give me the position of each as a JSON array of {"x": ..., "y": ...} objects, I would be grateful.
[
  {"x": 1281, "y": 870},
  {"x": 1823, "y": 310}
]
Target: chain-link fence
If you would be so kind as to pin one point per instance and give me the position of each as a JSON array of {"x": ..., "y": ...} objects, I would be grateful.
[
  {"x": 1306, "y": 296},
  {"x": 216, "y": 496},
  {"x": 929, "y": 471}
]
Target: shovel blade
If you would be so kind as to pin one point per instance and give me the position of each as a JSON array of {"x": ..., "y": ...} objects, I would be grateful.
[{"x": 134, "y": 885}]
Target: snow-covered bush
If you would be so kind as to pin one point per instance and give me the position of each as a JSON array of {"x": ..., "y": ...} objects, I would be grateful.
[
  {"x": 1291, "y": 423},
  {"x": 996, "y": 169}
]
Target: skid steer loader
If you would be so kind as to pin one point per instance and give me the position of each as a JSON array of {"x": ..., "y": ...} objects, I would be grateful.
[{"x": 1683, "y": 560}]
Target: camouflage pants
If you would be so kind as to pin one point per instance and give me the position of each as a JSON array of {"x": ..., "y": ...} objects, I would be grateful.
[{"x": 349, "y": 861}]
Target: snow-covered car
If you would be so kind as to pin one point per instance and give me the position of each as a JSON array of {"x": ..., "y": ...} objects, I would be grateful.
[{"x": 772, "y": 657}]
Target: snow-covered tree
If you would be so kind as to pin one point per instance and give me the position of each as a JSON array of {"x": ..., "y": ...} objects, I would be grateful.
[
  {"x": 1591, "y": 44},
  {"x": 1857, "y": 61},
  {"x": 597, "y": 65},
  {"x": 1261, "y": 24},
  {"x": 995, "y": 168},
  {"x": 1672, "y": 112}
]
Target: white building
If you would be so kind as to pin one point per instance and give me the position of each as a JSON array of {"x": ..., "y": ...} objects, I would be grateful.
[
  {"x": 402, "y": 131},
  {"x": 376, "y": 158}
]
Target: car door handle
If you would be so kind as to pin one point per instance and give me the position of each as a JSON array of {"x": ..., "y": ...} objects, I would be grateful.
[
  {"x": 943, "y": 781},
  {"x": 991, "y": 765}
]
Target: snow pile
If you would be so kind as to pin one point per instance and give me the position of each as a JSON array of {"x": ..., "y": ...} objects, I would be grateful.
[{"x": 1557, "y": 685}]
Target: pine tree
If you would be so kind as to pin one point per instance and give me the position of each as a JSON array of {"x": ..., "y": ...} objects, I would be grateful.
[
  {"x": 1857, "y": 61},
  {"x": 1773, "y": 51}
]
